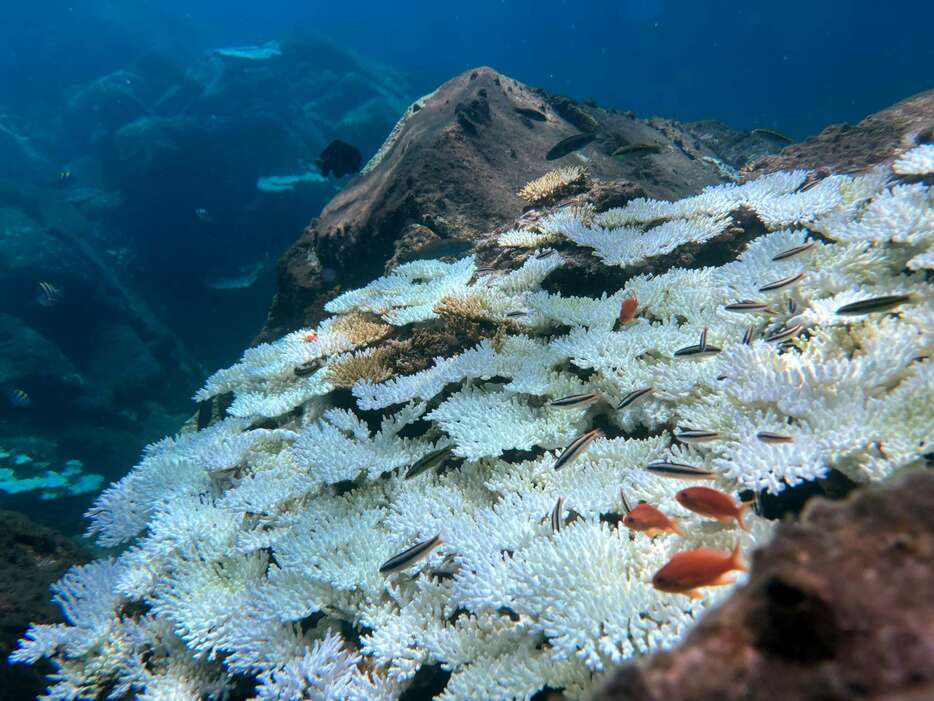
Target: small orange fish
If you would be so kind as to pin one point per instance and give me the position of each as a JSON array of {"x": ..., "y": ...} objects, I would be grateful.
[
  {"x": 627, "y": 312},
  {"x": 713, "y": 504},
  {"x": 690, "y": 570},
  {"x": 311, "y": 337},
  {"x": 649, "y": 520}
]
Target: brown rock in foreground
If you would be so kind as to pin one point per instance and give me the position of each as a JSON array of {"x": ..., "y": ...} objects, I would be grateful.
[
  {"x": 452, "y": 168},
  {"x": 837, "y": 608},
  {"x": 840, "y": 148},
  {"x": 34, "y": 557}
]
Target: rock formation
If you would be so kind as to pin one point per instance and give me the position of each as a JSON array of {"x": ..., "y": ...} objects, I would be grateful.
[{"x": 455, "y": 163}]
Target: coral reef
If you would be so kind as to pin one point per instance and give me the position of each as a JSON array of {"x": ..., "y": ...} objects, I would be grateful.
[
  {"x": 279, "y": 544},
  {"x": 815, "y": 620}
]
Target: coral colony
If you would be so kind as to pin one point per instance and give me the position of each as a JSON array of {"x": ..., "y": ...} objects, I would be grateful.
[{"x": 326, "y": 557}]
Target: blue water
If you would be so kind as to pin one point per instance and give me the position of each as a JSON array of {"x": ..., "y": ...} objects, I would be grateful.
[{"x": 136, "y": 158}]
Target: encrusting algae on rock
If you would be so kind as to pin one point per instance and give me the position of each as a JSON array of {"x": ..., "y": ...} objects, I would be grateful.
[{"x": 289, "y": 572}]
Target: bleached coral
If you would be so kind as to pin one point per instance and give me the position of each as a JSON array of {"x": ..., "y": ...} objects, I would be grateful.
[
  {"x": 917, "y": 161},
  {"x": 250, "y": 548}
]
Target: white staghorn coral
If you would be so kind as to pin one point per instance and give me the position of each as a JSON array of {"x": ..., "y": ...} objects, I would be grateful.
[
  {"x": 917, "y": 161},
  {"x": 254, "y": 552}
]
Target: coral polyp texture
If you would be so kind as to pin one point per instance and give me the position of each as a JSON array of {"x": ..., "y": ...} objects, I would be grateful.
[
  {"x": 554, "y": 184},
  {"x": 273, "y": 546}
]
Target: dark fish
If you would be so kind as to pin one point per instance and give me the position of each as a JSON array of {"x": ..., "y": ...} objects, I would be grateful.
[
  {"x": 640, "y": 149},
  {"x": 875, "y": 304},
  {"x": 430, "y": 461},
  {"x": 576, "y": 447},
  {"x": 769, "y": 437},
  {"x": 696, "y": 352},
  {"x": 691, "y": 436},
  {"x": 530, "y": 113},
  {"x": 797, "y": 250},
  {"x": 785, "y": 334},
  {"x": 306, "y": 369},
  {"x": 442, "y": 248},
  {"x": 569, "y": 145},
  {"x": 18, "y": 398},
  {"x": 205, "y": 413},
  {"x": 792, "y": 307},
  {"x": 409, "y": 557},
  {"x": 748, "y": 306},
  {"x": 556, "y": 515},
  {"x": 783, "y": 283},
  {"x": 634, "y": 397},
  {"x": 748, "y": 335},
  {"x": 774, "y": 135},
  {"x": 547, "y": 253},
  {"x": 575, "y": 400},
  {"x": 627, "y": 507},
  {"x": 339, "y": 158},
  {"x": 665, "y": 468}
]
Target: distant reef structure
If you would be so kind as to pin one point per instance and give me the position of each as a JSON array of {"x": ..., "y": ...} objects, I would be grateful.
[{"x": 521, "y": 458}]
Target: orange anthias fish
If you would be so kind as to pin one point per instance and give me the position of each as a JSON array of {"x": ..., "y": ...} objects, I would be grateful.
[
  {"x": 690, "y": 570},
  {"x": 713, "y": 504},
  {"x": 309, "y": 337},
  {"x": 627, "y": 312},
  {"x": 649, "y": 520}
]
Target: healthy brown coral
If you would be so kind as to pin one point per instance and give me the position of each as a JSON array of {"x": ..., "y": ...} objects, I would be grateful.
[
  {"x": 554, "y": 184},
  {"x": 365, "y": 365}
]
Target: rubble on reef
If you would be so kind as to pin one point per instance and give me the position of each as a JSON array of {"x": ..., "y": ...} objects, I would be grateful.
[{"x": 837, "y": 607}]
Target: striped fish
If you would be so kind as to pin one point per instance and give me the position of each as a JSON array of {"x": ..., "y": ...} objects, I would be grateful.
[
  {"x": 748, "y": 335},
  {"x": 702, "y": 343},
  {"x": 409, "y": 557},
  {"x": 785, "y": 334},
  {"x": 874, "y": 304},
  {"x": 545, "y": 254},
  {"x": 692, "y": 436},
  {"x": 627, "y": 507},
  {"x": 634, "y": 397},
  {"x": 696, "y": 352},
  {"x": 773, "y": 438},
  {"x": 18, "y": 398},
  {"x": 576, "y": 447},
  {"x": 575, "y": 400},
  {"x": 783, "y": 283},
  {"x": 676, "y": 470},
  {"x": 435, "y": 458},
  {"x": 796, "y": 251},
  {"x": 557, "y": 515},
  {"x": 748, "y": 306}
]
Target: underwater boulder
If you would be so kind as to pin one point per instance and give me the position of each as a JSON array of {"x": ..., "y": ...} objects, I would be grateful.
[
  {"x": 455, "y": 163},
  {"x": 103, "y": 105},
  {"x": 32, "y": 362},
  {"x": 34, "y": 556}
]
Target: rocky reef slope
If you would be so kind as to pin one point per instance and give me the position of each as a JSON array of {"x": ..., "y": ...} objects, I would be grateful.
[{"x": 454, "y": 164}]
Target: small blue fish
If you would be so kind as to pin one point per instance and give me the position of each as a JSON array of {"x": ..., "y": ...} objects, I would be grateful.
[{"x": 18, "y": 398}]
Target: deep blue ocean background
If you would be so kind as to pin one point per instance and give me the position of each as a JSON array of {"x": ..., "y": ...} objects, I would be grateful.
[{"x": 131, "y": 155}]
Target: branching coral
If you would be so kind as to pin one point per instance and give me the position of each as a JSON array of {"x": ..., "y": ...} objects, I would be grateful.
[
  {"x": 554, "y": 184},
  {"x": 250, "y": 548}
]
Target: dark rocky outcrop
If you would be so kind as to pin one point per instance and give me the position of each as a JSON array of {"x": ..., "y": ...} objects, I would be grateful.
[
  {"x": 838, "y": 607},
  {"x": 33, "y": 558},
  {"x": 454, "y": 164},
  {"x": 846, "y": 147}
]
